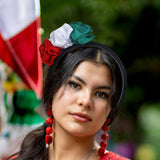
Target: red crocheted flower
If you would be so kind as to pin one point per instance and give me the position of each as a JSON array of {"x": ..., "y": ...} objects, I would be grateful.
[{"x": 48, "y": 52}]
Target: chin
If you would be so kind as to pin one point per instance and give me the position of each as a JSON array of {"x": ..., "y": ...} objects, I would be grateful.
[{"x": 79, "y": 132}]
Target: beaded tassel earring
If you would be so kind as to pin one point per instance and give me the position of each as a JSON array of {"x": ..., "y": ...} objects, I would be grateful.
[
  {"x": 49, "y": 129},
  {"x": 104, "y": 137}
]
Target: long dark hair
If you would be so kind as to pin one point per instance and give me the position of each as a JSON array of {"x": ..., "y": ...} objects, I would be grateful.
[{"x": 33, "y": 146}]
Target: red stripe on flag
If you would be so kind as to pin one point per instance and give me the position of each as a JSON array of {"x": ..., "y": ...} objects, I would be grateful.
[
  {"x": 8, "y": 58},
  {"x": 22, "y": 54}
]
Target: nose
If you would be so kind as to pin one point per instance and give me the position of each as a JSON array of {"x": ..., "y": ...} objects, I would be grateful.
[{"x": 85, "y": 100}]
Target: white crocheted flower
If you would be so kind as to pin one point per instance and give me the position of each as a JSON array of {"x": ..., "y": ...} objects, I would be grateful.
[{"x": 61, "y": 36}]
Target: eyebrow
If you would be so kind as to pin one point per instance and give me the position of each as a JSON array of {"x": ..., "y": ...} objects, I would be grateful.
[
  {"x": 79, "y": 79},
  {"x": 100, "y": 87}
]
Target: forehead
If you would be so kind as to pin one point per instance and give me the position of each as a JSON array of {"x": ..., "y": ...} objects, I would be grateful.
[{"x": 93, "y": 71}]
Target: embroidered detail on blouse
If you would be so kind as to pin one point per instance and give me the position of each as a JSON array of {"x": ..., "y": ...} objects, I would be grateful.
[{"x": 112, "y": 156}]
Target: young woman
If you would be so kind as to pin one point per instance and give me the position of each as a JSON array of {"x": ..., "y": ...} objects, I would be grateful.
[{"x": 84, "y": 87}]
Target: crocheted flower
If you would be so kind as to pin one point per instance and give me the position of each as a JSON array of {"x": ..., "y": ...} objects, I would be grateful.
[
  {"x": 64, "y": 37},
  {"x": 61, "y": 36},
  {"x": 48, "y": 52},
  {"x": 82, "y": 33}
]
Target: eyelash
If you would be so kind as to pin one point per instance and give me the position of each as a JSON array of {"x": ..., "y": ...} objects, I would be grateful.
[
  {"x": 102, "y": 94},
  {"x": 74, "y": 85}
]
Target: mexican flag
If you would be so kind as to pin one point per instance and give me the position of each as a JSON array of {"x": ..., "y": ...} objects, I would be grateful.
[{"x": 20, "y": 38}]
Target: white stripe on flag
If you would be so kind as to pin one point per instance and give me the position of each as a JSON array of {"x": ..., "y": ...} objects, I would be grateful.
[{"x": 15, "y": 15}]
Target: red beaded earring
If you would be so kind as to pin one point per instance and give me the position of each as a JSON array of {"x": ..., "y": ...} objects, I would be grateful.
[
  {"x": 49, "y": 129},
  {"x": 104, "y": 137}
]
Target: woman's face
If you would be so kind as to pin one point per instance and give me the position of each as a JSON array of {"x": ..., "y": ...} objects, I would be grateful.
[{"x": 81, "y": 107}]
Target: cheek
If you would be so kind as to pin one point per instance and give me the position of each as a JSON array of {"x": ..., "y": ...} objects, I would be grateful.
[
  {"x": 61, "y": 102},
  {"x": 103, "y": 111}
]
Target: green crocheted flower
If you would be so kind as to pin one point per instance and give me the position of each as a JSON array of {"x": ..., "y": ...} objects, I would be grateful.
[{"x": 82, "y": 33}]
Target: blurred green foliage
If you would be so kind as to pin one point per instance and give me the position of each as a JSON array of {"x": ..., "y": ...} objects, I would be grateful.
[{"x": 132, "y": 29}]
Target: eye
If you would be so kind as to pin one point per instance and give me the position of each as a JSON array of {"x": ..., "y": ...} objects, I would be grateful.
[
  {"x": 73, "y": 84},
  {"x": 102, "y": 94}
]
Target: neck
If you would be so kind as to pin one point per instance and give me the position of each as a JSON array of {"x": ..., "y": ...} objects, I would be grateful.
[{"x": 67, "y": 147}]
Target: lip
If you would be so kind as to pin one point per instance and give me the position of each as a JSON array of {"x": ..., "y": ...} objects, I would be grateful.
[{"x": 81, "y": 117}]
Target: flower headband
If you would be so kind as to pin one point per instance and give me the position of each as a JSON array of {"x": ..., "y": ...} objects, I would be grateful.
[{"x": 64, "y": 37}]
